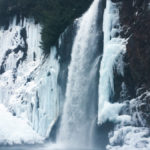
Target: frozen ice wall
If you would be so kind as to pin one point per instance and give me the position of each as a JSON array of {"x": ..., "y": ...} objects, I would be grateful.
[
  {"x": 28, "y": 81},
  {"x": 113, "y": 47}
]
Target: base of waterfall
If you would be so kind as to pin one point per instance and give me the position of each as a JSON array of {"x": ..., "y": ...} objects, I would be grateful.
[
  {"x": 14, "y": 130},
  {"x": 41, "y": 147},
  {"x": 47, "y": 146}
]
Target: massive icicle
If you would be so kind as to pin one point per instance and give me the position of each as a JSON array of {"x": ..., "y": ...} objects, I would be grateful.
[
  {"x": 28, "y": 82},
  {"x": 113, "y": 46}
]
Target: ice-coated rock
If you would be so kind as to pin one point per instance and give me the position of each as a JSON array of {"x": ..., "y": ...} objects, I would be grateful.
[{"x": 28, "y": 80}]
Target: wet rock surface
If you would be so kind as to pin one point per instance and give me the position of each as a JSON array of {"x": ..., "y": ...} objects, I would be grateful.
[
  {"x": 133, "y": 88},
  {"x": 135, "y": 23}
]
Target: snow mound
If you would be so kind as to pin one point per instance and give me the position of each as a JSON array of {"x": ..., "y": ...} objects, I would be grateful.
[{"x": 14, "y": 130}]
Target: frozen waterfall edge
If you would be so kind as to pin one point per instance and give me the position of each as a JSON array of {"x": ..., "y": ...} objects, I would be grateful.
[{"x": 113, "y": 47}]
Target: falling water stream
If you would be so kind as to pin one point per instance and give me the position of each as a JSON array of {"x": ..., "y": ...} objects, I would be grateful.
[{"x": 79, "y": 108}]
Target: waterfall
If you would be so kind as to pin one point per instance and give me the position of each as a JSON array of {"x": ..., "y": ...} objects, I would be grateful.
[{"x": 79, "y": 108}]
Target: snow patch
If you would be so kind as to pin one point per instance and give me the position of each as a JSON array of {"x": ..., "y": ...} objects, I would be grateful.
[{"x": 14, "y": 130}]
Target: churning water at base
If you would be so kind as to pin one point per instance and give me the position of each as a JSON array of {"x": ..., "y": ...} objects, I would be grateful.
[
  {"x": 79, "y": 108},
  {"x": 37, "y": 147}
]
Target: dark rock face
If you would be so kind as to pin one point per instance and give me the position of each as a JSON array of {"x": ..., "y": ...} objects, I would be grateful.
[
  {"x": 135, "y": 27},
  {"x": 135, "y": 22}
]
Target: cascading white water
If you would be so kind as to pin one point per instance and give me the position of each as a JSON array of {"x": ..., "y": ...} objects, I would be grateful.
[{"x": 79, "y": 105}]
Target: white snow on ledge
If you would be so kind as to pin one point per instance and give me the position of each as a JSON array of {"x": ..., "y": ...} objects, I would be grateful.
[{"x": 14, "y": 130}]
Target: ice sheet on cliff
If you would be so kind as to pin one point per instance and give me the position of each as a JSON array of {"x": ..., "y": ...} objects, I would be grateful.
[{"x": 28, "y": 81}]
